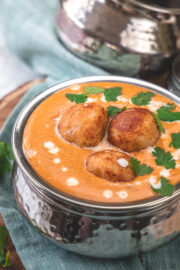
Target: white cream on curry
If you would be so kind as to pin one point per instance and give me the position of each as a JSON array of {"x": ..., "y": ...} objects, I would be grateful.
[{"x": 61, "y": 164}]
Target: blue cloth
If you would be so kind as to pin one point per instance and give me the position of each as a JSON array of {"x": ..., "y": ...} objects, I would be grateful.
[{"x": 29, "y": 31}]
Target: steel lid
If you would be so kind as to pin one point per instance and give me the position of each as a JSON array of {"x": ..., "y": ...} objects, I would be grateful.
[
  {"x": 164, "y": 6},
  {"x": 163, "y": 3},
  {"x": 176, "y": 69}
]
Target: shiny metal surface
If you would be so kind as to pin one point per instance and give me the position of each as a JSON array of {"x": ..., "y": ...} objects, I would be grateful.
[
  {"x": 99, "y": 230},
  {"x": 125, "y": 37},
  {"x": 104, "y": 235},
  {"x": 173, "y": 83}
]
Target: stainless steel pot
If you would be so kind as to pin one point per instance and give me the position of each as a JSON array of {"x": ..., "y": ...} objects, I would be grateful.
[
  {"x": 173, "y": 83},
  {"x": 126, "y": 37},
  {"x": 93, "y": 229}
]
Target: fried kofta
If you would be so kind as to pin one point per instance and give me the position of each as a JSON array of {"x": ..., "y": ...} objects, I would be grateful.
[
  {"x": 83, "y": 124},
  {"x": 111, "y": 165},
  {"x": 133, "y": 129}
]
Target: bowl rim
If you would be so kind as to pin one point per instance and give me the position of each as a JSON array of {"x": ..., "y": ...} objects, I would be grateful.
[
  {"x": 45, "y": 188},
  {"x": 156, "y": 8}
]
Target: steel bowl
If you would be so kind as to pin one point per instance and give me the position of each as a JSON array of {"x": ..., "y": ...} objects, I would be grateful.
[
  {"x": 126, "y": 37},
  {"x": 85, "y": 227},
  {"x": 173, "y": 83}
]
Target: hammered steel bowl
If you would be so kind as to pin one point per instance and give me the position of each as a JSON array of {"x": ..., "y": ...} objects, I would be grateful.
[
  {"x": 126, "y": 37},
  {"x": 85, "y": 227},
  {"x": 173, "y": 83}
]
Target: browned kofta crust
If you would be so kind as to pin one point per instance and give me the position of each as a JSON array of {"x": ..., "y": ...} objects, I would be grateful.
[
  {"x": 104, "y": 164},
  {"x": 83, "y": 124},
  {"x": 133, "y": 129}
]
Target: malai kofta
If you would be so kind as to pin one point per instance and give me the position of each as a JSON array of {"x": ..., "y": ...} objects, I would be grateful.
[
  {"x": 106, "y": 142},
  {"x": 83, "y": 124},
  {"x": 111, "y": 165},
  {"x": 133, "y": 129}
]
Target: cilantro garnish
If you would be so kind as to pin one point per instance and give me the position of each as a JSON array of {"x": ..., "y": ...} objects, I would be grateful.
[
  {"x": 140, "y": 169},
  {"x": 112, "y": 110},
  {"x": 165, "y": 113},
  {"x": 6, "y": 155},
  {"x": 111, "y": 94},
  {"x": 78, "y": 98},
  {"x": 4, "y": 258},
  {"x": 166, "y": 188},
  {"x": 172, "y": 106},
  {"x": 92, "y": 90},
  {"x": 143, "y": 98},
  {"x": 164, "y": 158},
  {"x": 158, "y": 122},
  {"x": 175, "y": 140}
]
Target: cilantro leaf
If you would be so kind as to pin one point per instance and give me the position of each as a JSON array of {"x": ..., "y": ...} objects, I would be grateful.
[
  {"x": 3, "y": 238},
  {"x": 78, "y": 98},
  {"x": 7, "y": 262},
  {"x": 6, "y": 156},
  {"x": 158, "y": 122},
  {"x": 165, "y": 113},
  {"x": 92, "y": 90},
  {"x": 140, "y": 169},
  {"x": 175, "y": 140},
  {"x": 164, "y": 158},
  {"x": 112, "y": 110},
  {"x": 5, "y": 165},
  {"x": 111, "y": 94},
  {"x": 4, "y": 259},
  {"x": 143, "y": 98},
  {"x": 171, "y": 106},
  {"x": 9, "y": 152},
  {"x": 166, "y": 189}
]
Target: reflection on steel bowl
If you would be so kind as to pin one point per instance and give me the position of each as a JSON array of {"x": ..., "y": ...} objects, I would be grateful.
[
  {"x": 93, "y": 228},
  {"x": 124, "y": 37},
  {"x": 173, "y": 83}
]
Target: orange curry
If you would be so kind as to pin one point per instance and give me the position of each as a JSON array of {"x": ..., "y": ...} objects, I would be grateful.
[{"x": 62, "y": 164}]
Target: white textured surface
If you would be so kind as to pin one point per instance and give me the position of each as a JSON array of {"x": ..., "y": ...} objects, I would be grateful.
[
  {"x": 72, "y": 181},
  {"x": 107, "y": 194},
  {"x": 49, "y": 145},
  {"x": 13, "y": 72},
  {"x": 56, "y": 160},
  {"x": 123, "y": 162},
  {"x": 153, "y": 182},
  {"x": 122, "y": 194},
  {"x": 164, "y": 173}
]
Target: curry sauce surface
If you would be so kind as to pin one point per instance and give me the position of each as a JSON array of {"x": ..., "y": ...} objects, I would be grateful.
[{"x": 61, "y": 164}]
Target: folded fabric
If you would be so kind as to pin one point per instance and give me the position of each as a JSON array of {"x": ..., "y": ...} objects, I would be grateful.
[{"x": 29, "y": 29}]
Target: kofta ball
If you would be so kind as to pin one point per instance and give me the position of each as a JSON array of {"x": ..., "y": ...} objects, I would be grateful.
[
  {"x": 83, "y": 124},
  {"x": 111, "y": 165},
  {"x": 133, "y": 129}
]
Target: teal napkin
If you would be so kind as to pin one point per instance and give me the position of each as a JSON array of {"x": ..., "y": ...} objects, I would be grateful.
[{"x": 29, "y": 31}]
